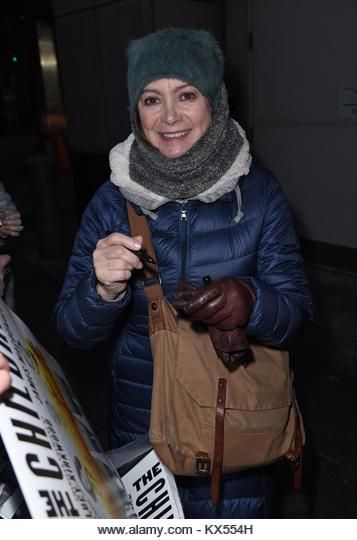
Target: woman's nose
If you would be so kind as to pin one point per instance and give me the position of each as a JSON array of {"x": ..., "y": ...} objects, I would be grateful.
[{"x": 170, "y": 114}]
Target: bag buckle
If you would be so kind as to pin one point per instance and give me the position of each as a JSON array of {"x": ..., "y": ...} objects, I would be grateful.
[
  {"x": 294, "y": 461},
  {"x": 203, "y": 463}
]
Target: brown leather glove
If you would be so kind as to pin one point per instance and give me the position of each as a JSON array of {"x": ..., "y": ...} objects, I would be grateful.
[
  {"x": 225, "y": 303},
  {"x": 230, "y": 343},
  {"x": 231, "y": 346}
]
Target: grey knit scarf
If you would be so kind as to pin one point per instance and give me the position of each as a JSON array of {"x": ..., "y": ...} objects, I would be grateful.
[{"x": 197, "y": 170}]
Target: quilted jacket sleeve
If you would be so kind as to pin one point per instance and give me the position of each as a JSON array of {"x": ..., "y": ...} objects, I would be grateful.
[
  {"x": 82, "y": 317},
  {"x": 283, "y": 298}
]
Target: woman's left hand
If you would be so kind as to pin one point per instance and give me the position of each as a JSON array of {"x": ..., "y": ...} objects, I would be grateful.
[
  {"x": 225, "y": 303},
  {"x": 11, "y": 223}
]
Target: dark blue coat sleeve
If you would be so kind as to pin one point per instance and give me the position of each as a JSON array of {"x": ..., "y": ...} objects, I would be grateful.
[
  {"x": 283, "y": 297},
  {"x": 82, "y": 317}
]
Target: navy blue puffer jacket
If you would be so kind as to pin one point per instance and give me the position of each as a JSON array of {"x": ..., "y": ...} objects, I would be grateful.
[{"x": 191, "y": 240}]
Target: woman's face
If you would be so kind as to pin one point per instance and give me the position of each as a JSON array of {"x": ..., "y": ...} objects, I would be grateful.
[{"x": 173, "y": 115}]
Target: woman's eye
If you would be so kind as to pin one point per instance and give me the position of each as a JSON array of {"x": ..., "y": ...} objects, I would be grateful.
[
  {"x": 188, "y": 96},
  {"x": 151, "y": 100}
]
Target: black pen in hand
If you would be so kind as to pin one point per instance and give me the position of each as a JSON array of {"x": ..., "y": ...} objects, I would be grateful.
[
  {"x": 143, "y": 256},
  {"x": 141, "y": 253}
]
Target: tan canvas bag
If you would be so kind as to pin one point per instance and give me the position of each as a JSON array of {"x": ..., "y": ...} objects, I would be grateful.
[{"x": 204, "y": 418}]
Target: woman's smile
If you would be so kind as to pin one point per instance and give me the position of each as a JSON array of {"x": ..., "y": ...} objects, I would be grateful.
[{"x": 175, "y": 135}]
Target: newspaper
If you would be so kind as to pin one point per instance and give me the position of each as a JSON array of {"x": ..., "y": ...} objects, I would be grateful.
[
  {"x": 59, "y": 464},
  {"x": 150, "y": 486}
]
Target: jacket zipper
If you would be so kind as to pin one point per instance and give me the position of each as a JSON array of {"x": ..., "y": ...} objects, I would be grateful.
[{"x": 183, "y": 238}]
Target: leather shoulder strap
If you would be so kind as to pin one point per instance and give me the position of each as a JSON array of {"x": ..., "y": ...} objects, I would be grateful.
[{"x": 150, "y": 272}]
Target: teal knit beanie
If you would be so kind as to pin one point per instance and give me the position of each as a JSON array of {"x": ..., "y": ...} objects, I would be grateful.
[{"x": 193, "y": 56}]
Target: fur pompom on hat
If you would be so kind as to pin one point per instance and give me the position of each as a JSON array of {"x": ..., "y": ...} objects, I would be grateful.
[{"x": 193, "y": 56}]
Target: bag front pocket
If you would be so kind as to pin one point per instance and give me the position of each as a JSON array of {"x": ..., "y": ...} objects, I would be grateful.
[{"x": 264, "y": 384}]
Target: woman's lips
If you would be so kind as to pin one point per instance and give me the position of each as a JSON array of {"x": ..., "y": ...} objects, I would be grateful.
[{"x": 175, "y": 135}]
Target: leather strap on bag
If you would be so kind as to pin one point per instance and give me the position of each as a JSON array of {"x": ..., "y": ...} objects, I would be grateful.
[
  {"x": 218, "y": 439},
  {"x": 295, "y": 456},
  {"x": 149, "y": 274},
  {"x": 138, "y": 225},
  {"x": 299, "y": 445}
]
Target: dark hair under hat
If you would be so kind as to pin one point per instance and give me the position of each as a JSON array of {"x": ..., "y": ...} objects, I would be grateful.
[{"x": 191, "y": 55}]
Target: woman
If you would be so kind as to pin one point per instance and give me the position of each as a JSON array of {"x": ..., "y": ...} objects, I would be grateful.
[{"x": 187, "y": 167}]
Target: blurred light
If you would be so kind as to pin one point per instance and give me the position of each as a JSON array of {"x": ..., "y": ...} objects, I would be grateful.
[{"x": 14, "y": 59}]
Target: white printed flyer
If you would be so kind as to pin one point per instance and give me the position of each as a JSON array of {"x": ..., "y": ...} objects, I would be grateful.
[
  {"x": 52, "y": 449},
  {"x": 150, "y": 486}
]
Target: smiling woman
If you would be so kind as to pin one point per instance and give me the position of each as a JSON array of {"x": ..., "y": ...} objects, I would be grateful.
[{"x": 187, "y": 167}]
